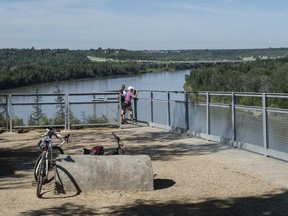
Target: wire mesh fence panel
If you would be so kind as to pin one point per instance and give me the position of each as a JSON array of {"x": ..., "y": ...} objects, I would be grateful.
[
  {"x": 197, "y": 118},
  {"x": 177, "y": 113},
  {"x": 249, "y": 127},
  {"x": 277, "y": 131},
  {"x": 142, "y": 111},
  {"x": 159, "y": 112},
  {"x": 221, "y": 122}
]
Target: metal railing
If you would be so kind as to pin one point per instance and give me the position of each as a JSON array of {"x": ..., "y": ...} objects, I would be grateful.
[
  {"x": 250, "y": 121},
  {"x": 253, "y": 121},
  {"x": 59, "y": 110}
]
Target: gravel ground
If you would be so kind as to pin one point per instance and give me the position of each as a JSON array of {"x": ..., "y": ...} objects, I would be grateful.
[{"x": 192, "y": 177}]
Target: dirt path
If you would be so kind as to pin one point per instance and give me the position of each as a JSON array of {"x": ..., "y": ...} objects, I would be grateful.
[{"x": 191, "y": 179}]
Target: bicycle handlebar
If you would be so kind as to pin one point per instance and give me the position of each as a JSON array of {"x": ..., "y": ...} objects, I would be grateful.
[{"x": 52, "y": 132}]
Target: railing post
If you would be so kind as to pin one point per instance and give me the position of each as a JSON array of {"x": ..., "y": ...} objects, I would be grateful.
[
  {"x": 7, "y": 112},
  {"x": 186, "y": 111},
  {"x": 168, "y": 109},
  {"x": 233, "y": 116},
  {"x": 67, "y": 108},
  {"x": 264, "y": 111},
  {"x": 120, "y": 109},
  {"x": 208, "y": 113},
  {"x": 135, "y": 109},
  {"x": 151, "y": 106},
  {"x": 10, "y": 112}
]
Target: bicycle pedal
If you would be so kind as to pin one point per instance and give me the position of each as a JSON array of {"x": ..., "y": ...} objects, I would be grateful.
[
  {"x": 45, "y": 180},
  {"x": 34, "y": 183}
]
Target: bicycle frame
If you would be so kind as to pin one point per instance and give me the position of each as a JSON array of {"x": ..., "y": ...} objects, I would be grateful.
[
  {"x": 42, "y": 169},
  {"x": 48, "y": 156}
]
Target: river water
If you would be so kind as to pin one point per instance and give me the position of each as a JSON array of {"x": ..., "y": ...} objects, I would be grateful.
[
  {"x": 166, "y": 81},
  {"x": 163, "y": 81}
]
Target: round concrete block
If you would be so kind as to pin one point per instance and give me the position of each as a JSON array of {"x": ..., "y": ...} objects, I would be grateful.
[{"x": 82, "y": 173}]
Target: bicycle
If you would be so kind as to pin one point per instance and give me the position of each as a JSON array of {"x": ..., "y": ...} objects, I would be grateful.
[
  {"x": 99, "y": 150},
  {"x": 46, "y": 159}
]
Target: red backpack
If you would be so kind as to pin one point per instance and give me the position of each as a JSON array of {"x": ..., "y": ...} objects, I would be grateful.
[{"x": 97, "y": 150}]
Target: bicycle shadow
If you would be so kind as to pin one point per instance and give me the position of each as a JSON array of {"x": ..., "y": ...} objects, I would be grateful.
[{"x": 59, "y": 190}]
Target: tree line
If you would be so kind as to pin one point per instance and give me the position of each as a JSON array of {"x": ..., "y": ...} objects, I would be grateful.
[
  {"x": 270, "y": 76},
  {"x": 264, "y": 76},
  {"x": 21, "y": 67}
]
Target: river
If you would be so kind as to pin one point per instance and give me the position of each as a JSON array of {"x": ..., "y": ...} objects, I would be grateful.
[{"x": 166, "y": 81}]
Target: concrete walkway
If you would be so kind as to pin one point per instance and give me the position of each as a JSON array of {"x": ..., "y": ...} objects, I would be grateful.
[
  {"x": 268, "y": 169},
  {"x": 193, "y": 177}
]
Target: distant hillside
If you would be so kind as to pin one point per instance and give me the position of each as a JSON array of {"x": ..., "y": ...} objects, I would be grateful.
[
  {"x": 266, "y": 76},
  {"x": 189, "y": 55},
  {"x": 20, "y": 67}
]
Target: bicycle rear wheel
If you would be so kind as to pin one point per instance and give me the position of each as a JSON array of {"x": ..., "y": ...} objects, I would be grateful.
[{"x": 40, "y": 174}]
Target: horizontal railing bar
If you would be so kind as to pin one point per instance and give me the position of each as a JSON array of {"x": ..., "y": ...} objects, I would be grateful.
[
  {"x": 34, "y": 94},
  {"x": 40, "y": 103},
  {"x": 94, "y": 102},
  {"x": 275, "y": 110},
  {"x": 219, "y": 105},
  {"x": 93, "y": 93},
  {"x": 248, "y": 108}
]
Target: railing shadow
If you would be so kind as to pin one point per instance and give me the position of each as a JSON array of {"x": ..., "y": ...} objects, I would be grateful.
[
  {"x": 167, "y": 145},
  {"x": 267, "y": 204}
]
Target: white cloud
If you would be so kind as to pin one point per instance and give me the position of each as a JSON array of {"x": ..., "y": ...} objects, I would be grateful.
[{"x": 192, "y": 7}]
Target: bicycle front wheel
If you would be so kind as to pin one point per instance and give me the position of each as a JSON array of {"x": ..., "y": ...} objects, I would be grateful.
[
  {"x": 40, "y": 174},
  {"x": 36, "y": 167},
  {"x": 55, "y": 152}
]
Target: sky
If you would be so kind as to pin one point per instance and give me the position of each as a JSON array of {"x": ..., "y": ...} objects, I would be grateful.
[{"x": 143, "y": 24}]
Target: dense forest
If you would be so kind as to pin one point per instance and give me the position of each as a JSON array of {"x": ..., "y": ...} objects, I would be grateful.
[
  {"x": 269, "y": 76},
  {"x": 20, "y": 67}
]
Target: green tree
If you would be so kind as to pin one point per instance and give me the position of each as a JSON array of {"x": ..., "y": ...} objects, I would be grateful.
[
  {"x": 38, "y": 117},
  {"x": 62, "y": 110},
  {"x": 60, "y": 113}
]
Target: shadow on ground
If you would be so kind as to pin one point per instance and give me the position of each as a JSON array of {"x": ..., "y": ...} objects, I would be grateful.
[
  {"x": 160, "y": 184},
  {"x": 171, "y": 145},
  {"x": 13, "y": 159},
  {"x": 23, "y": 158},
  {"x": 247, "y": 206}
]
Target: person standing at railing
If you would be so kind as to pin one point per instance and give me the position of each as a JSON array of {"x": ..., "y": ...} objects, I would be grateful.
[
  {"x": 122, "y": 92},
  {"x": 126, "y": 105}
]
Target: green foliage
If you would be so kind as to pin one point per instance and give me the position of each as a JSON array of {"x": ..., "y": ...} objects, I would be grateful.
[
  {"x": 20, "y": 67},
  {"x": 91, "y": 119},
  {"x": 18, "y": 122},
  {"x": 269, "y": 76},
  {"x": 15, "y": 121},
  {"x": 264, "y": 76},
  {"x": 38, "y": 117},
  {"x": 62, "y": 111}
]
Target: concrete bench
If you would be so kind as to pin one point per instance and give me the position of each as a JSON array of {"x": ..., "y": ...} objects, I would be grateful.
[{"x": 83, "y": 173}]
